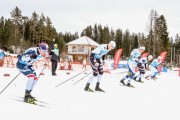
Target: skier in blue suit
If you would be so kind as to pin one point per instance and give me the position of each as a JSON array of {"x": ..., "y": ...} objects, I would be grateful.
[
  {"x": 142, "y": 66},
  {"x": 96, "y": 61},
  {"x": 153, "y": 69},
  {"x": 24, "y": 64},
  {"x": 132, "y": 63}
]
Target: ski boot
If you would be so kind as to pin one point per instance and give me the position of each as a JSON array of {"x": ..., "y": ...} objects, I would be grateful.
[
  {"x": 140, "y": 80},
  {"x": 122, "y": 81},
  {"x": 153, "y": 77},
  {"x": 54, "y": 74},
  {"x": 147, "y": 77},
  {"x": 129, "y": 85},
  {"x": 134, "y": 78},
  {"x": 28, "y": 98},
  {"x": 87, "y": 88},
  {"x": 98, "y": 88},
  {"x": 32, "y": 96}
]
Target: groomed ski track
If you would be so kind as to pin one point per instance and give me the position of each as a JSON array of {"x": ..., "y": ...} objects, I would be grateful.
[{"x": 152, "y": 100}]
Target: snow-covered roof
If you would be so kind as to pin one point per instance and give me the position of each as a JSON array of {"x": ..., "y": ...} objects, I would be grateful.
[{"x": 83, "y": 41}]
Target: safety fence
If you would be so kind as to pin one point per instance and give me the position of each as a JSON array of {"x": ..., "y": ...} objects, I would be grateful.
[{"x": 10, "y": 61}]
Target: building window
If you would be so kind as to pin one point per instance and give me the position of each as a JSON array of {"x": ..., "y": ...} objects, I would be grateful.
[
  {"x": 74, "y": 49},
  {"x": 80, "y": 48},
  {"x": 92, "y": 48}
]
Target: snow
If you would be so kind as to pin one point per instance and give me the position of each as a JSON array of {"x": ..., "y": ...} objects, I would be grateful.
[{"x": 152, "y": 100}]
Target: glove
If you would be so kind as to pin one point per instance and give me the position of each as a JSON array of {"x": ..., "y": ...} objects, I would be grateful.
[
  {"x": 33, "y": 56},
  {"x": 30, "y": 67},
  {"x": 51, "y": 53},
  {"x": 144, "y": 61}
]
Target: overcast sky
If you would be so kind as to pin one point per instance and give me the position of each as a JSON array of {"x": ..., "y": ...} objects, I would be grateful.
[{"x": 75, "y": 15}]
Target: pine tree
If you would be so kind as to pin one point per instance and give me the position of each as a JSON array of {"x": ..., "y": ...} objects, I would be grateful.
[
  {"x": 2, "y": 24},
  {"x": 61, "y": 43},
  {"x": 95, "y": 34},
  {"x": 143, "y": 41},
  {"x": 136, "y": 43},
  {"x": 33, "y": 24},
  {"x": 118, "y": 38},
  {"x": 17, "y": 20},
  {"x": 164, "y": 34},
  {"x": 126, "y": 44}
]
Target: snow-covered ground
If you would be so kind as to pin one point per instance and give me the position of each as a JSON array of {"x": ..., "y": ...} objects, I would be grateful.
[{"x": 152, "y": 100}]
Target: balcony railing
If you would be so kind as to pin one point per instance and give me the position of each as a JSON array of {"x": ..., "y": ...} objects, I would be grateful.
[{"x": 78, "y": 52}]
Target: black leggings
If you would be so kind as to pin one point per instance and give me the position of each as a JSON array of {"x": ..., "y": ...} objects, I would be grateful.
[
  {"x": 54, "y": 66},
  {"x": 96, "y": 65}
]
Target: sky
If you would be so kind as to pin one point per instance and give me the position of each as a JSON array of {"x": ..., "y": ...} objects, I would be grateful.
[{"x": 75, "y": 15}]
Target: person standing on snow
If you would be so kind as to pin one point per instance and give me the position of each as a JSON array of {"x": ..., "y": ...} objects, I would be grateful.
[
  {"x": 96, "y": 62},
  {"x": 24, "y": 64},
  {"x": 54, "y": 57},
  {"x": 132, "y": 63},
  {"x": 84, "y": 63}
]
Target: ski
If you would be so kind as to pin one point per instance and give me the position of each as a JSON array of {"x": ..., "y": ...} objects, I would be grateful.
[
  {"x": 89, "y": 91},
  {"x": 35, "y": 103},
  {"x": 100, "y": 91},
  {"x": 96, "y": 91},
  {"x": 126, "y": 85},
  {"x": 39, "y": 101},
  {"x": 42, "y": 103}
]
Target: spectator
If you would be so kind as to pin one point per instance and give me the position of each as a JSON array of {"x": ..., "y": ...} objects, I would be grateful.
[
  {"x": 84, "y": 63},
  {"x": 54, "y": 57}
]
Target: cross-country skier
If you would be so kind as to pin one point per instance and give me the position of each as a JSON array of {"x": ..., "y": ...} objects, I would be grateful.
[
  {"x": 132, "y": 63},
  {"x": 153, "y": 69},
  {"x": 24, "y": 64},
  {"x": 142, "y": 66},
  {"x": 96, "y": 61}
]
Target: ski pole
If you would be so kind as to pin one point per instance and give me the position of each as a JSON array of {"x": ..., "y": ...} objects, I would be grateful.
[
  {"x": 41, "y": 72},
  {"x": 82, "y": 78},
  {"x": 70, "y": 78},
  {"x": 10, "y": 82}
]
